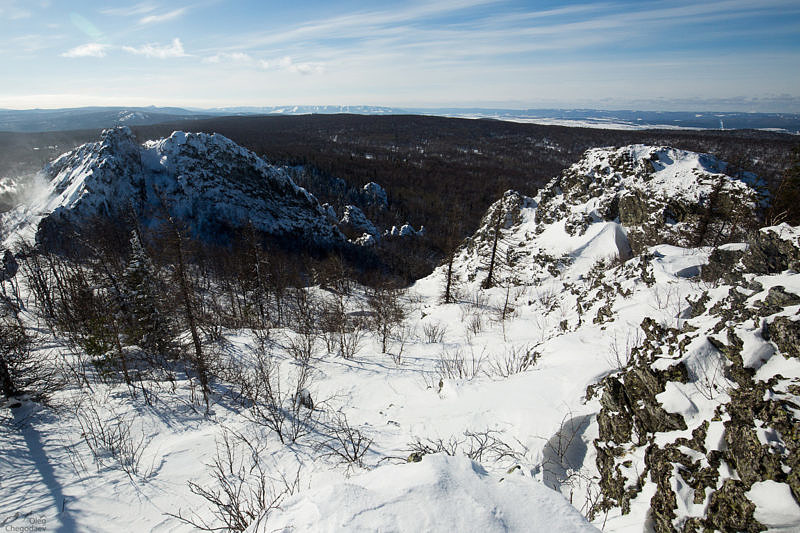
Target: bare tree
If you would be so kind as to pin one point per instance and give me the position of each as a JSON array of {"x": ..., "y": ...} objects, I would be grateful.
[
  {"x": 387, "y": 311},
  {"x": 243, "y": 490}
]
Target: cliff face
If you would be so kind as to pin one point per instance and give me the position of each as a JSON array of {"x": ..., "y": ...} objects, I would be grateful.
[{"x": 207, "y": 182}]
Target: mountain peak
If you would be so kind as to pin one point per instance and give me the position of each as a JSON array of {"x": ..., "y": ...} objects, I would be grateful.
[
  {"x": 207, "y": 181},
  {"x": 614, "y": 202}
]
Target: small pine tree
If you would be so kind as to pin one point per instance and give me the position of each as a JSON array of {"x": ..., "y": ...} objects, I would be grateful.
[{"x": 147, "y": 325}]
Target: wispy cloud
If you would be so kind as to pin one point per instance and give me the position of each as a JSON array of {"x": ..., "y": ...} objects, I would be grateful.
[
  {"x": 288, "y": 64},
  {"x": 34, "y": 42},
  {"x": 229, "y": 57},
  {"x": 174, "y": 49},
  {"x": 567, "y": 28},
  {"x": 163, "y": 17},
  {"x": 130, "y": 11},
  {"x": 11, "y": 11},
  {"x": 285, "y": 63},
  {"x": 87, "y": 50}
]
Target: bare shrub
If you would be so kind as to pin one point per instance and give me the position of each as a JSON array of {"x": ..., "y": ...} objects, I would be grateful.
[
  {"x": 620, "y": 351},
  {"x": 347, "y": 444},
  {"x": 349, "y": 342},
  {"x": 342, "y": 333},
  {"x": 112, "y": 436},
  {"x": 481, "y": 446},
  {"x": 275, "y": 401},
  {"x": 475, "y": 324},
  {"x": 434, "y": 332},
  {"x": 243, "y": 491},
  {"x": 709, "y": 377},
  {"x": 515, "y": 359},
  {"x": 456, "y": 365},
  {"x": 547, "y": 298}
]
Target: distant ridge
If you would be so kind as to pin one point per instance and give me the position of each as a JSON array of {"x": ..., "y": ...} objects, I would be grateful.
[{"x": 42, "y": 120}]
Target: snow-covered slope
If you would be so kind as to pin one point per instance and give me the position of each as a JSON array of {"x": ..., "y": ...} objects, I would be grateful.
[
  {"x": 647, "y": 258},
  {"x": 653, "y": 382},
  {"x": 440, "y": 493},
  {"x": 207, "y": 181}
]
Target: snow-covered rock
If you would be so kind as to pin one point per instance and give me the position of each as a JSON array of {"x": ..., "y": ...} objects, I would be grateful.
[
  {"x": 207, "y": 181},
  {"x": 354, "y": 219},
  {"x": 655, "y": 253},
  {"x": 406, "y": 230},
  {"x": 612, "y": 204},
  {"x": 440, "y": 493},
  {"x": 375, "y": 194}
]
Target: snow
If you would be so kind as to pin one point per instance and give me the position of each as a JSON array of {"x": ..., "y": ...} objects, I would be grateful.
[
  {"x": 49, "y": 473},
  {"x": 440, "y": 493},
  {"x": 775, "y": 506}
]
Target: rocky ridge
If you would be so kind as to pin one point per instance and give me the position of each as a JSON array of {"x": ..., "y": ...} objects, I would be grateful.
[
  {"x": 698, "y": 418},
  {"x": 209, "y": 183}
]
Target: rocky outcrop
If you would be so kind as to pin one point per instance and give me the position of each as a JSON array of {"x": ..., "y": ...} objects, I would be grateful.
[
  {"x": 660, "y": 195},
  {"x": 207, "y": 182},
  {"x": 754, "y": 433}
]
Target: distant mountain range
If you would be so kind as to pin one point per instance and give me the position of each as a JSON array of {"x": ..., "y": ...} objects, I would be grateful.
[{"x": 40, "y": 120}]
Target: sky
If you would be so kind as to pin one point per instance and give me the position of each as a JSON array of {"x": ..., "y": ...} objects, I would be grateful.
[{"x": 716, "y": 55}]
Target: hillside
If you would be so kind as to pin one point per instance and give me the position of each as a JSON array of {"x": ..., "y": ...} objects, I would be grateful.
[{"x": 624, "y": 341}]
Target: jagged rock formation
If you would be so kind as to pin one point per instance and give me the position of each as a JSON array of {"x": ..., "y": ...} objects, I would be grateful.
[
  {"x": 209, "y": 183},
  {"x": 706, "y": 459},
  {"x": 699, "y": 417},
  {"x": 614, "y": 203},
  {"x": 375, "y": 194},
  {"x": 355, "y": 222},
  {"x": 660, "y": 195}
]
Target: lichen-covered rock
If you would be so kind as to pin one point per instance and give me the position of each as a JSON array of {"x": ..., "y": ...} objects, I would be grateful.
[
  {"x": 722, "y": 265},
  {"x": 785, "y": 333},
  {"x": 730, "y": 510},
  {"x": 777, "y": 298},
  {"x": 773, "y": 250}
]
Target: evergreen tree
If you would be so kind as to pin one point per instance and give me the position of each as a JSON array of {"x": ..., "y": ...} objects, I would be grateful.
[{"x": 147, "y": 325}]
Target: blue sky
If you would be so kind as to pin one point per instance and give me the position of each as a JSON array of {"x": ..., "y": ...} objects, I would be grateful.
[{"x": 736, "y": 55}]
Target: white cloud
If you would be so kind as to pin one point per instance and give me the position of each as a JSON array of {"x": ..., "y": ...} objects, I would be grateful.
[
  {"x": 138, "y": 9},
  {"x": 288, "y": 64},
  {"x": 225, "y": 57},
  {"x": 87, "y": 50},
  {"x": 175, "y": 49},
  {"x": 163, "y": 17}
]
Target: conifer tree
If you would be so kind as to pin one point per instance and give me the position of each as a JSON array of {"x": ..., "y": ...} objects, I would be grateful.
[{"x": 147, "y": 325}]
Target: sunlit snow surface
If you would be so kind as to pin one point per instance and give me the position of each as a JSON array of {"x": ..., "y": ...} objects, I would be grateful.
[{"x": 47, "y": 472}]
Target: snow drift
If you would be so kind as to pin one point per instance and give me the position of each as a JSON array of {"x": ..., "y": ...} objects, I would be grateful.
[{"x": 440, "y": 493}]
